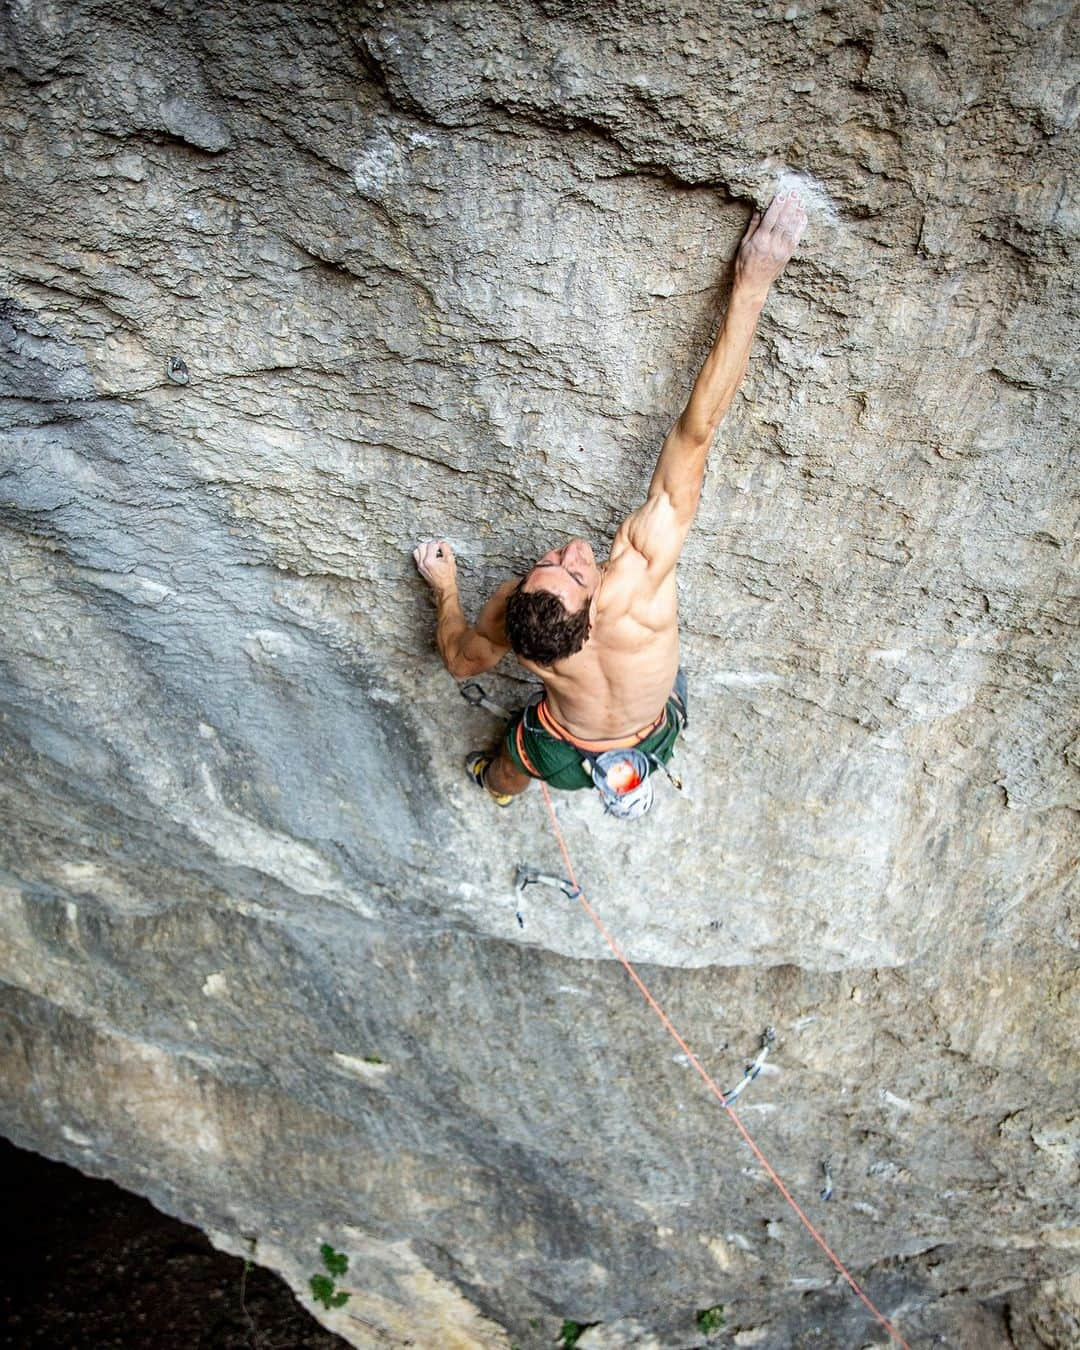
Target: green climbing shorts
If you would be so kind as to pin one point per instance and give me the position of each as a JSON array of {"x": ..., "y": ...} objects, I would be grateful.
[{"x": 542, "y": 748}]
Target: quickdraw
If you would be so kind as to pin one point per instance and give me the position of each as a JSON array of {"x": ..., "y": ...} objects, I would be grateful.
[
  {"x": 711, "y": 1085},
  {"x": 474, "y": 695},
  {"x": 768, "y": 1040},
  {"x": 529, "y": 876}
]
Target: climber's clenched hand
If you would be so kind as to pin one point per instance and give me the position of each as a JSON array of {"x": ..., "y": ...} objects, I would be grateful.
[
  {"x": 769, "y": 242},
  {"x": 436, "y": 563}
]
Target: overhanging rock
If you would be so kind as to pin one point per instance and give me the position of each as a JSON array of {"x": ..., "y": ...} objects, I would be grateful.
[{"x": 287, "y": 289}]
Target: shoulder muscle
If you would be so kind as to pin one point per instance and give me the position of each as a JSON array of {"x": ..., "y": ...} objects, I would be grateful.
[{"x": 656, "y": 532}]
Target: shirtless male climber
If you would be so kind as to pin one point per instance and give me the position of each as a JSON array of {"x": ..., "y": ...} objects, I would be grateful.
[{"x": 604, "y": 638}]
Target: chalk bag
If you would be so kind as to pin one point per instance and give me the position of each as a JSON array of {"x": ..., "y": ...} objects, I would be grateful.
[{"x": 622, "y": 779}]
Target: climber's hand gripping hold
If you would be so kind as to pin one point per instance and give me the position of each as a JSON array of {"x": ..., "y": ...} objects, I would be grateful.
[
  {"x": 436, "y": 563},
  {"x": 466, "y": 649},
  {"x": 769, "y": 242}
]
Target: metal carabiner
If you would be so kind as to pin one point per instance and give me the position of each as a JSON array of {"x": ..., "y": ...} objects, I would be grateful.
[{"x": 474, "y": 696}]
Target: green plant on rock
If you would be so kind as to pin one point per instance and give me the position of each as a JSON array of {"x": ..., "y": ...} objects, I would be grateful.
[
  {"x": 711, "y": 1319},
  {"x": 568, "y": 1337},
  {"x": 322, "y": 1286}
]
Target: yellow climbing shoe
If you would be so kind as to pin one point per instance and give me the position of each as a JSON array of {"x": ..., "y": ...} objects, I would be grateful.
[{"x": 476, "y": 765}]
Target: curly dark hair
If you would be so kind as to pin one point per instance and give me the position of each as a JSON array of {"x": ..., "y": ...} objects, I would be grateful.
[{"x": 541, "y": 628}]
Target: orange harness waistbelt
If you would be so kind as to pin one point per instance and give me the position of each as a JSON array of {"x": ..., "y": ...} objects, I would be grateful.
[{"x": 548, "y": 722}]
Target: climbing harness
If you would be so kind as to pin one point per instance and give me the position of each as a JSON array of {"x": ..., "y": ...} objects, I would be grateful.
[
  {"x": 621, "y": 777},
  {"x": 722, "y": 1098}
]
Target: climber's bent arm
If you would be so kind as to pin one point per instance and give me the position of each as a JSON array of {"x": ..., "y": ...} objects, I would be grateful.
[{"x": 470, "y": 650}]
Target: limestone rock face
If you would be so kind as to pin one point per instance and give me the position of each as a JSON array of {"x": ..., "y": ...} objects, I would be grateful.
[{"x": 287, "y": 288}]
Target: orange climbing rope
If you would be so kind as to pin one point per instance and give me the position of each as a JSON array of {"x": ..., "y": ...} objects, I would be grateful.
[{"x": 709, "y": 1082}]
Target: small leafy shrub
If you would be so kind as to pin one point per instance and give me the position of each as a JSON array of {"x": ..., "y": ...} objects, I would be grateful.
[
  {"x": 322, "y": 1286},
  {"x": 711, "y": 1319}
]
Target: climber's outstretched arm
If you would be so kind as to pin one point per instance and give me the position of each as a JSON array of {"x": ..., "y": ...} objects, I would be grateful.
[
  {"x": 466, "y": 649},
  {"x": 658, "y": 529}
]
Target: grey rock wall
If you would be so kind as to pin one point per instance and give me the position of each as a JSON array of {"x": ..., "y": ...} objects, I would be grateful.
[{"x": 286, "y": 288}]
